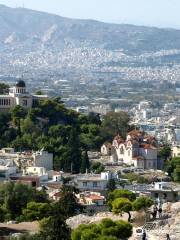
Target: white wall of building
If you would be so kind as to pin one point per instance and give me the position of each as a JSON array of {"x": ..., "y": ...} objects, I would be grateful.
[{"x": 43, "y": 159}]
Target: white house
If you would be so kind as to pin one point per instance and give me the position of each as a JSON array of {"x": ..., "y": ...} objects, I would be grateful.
[
  {"x": 94, "y": 182},
  {"x": 43, "y": 159},
  {"x": 164, "y": 192},
  {"x": 176, "y": 151},
  {"x": 7, "y": 168},
  {"x": 102, "y": 109},
  {"x": 28, "y": 158},
  {"x": 39, "y": 171}
]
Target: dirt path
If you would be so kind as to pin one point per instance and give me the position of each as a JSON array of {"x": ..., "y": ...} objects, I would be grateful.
[{"x": 19, "y": 227}]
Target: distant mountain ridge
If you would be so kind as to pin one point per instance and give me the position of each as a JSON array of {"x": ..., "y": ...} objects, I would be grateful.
[{"x": 26, "y": 30}]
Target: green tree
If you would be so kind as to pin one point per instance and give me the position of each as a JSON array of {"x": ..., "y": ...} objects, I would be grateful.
[
  {"x": 59, "y": 130},
  {"x": 115, "y": 123},
  {"x": 165, "y": 152},
  {"x": 106, "y": 230},
  {"x": 39, "y": 92},
  {"x": 4, "y": 88},
  {"x": 142, "y": 203},
  {"x": 17, "y": 114},
  {"x": 54, "y": 227},
  {"x": 120, "y": 205},
  {"x": 90, "y": 136},
  {"x": 120, "y": 193},
  {"x": 84, "y": 162},
  {"x": 176, "y": 174},
  {"x": 53, "y": 110},
  {"x": 7, "y": 133},
  {"x": 111, "y": 185},
  {"x": 14, "y": 198},
  {"x": 72, "y": 155},
  {"x": 94, "y": 118},
  {"x": 36, "y": 211},
  {"x": 97, "y": 167},
  {"x": 28, "y": 126},
  {"x": 68, "y": 203},
  {"x": 173, "y": 168}
]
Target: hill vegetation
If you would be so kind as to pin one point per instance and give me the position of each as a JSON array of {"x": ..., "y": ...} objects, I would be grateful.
[{"x": 61, "y": 131}]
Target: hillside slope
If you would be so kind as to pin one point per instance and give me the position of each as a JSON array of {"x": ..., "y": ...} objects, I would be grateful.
[{"x": 29, "y": 30}]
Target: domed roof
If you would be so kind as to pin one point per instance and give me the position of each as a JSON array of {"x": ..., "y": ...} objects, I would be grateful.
[{"x": 20, "y": 83}]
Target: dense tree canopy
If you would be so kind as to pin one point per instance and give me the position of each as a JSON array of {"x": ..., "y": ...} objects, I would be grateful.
[
  {"x": 54, "y": 227},
  {"x": 142, "y": 203},
  {"x": 173, "y": 168},
  {"x": 4, "y": 88},
  {"x": 164, "y": 152},
  {"x": 120, "y": 205},
  {"x": 64, "y": 132},
  {"x": 97, "y": 167},
  {"x": 51, "y": 126},
  {"x": 15, "y": 197},
  {"x": 51, "y": 215},
  {"x": 68, "y": 203},
  {"x": 106, "y": 230},
  {"x": 36, "y": 211},
  {"x": 115, "y": 123},
  {"x": 122, "y": 200},
  {"x": 121, "y": 193}
]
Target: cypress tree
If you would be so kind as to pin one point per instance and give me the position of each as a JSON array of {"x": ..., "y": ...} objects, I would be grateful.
[
  {"x": 73, "y": 153},
  {"x": 84, "y": 162}
]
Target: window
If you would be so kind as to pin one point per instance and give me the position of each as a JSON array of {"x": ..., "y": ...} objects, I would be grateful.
[
  {"x": 156, "y": 195},
  {"x": 33, "y": 184},
  {"x": 4, "y": 101},
  {"x": 164, "y": 195},
  {"x": 24, "y": 102},
  {"x": 122, "y": 150},
  {"x": 84, "y": 184},
  {"x": 94, "y": 184}
]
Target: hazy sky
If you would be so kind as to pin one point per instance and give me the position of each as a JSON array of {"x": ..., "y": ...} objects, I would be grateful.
[{"x": 165, "y": 13}]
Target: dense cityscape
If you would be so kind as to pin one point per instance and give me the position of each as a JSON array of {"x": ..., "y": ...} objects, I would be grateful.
[{"x": 89, "y": 129}]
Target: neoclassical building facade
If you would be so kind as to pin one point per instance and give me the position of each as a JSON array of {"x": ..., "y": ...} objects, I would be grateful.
[{"x": 18, "y": 95}]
